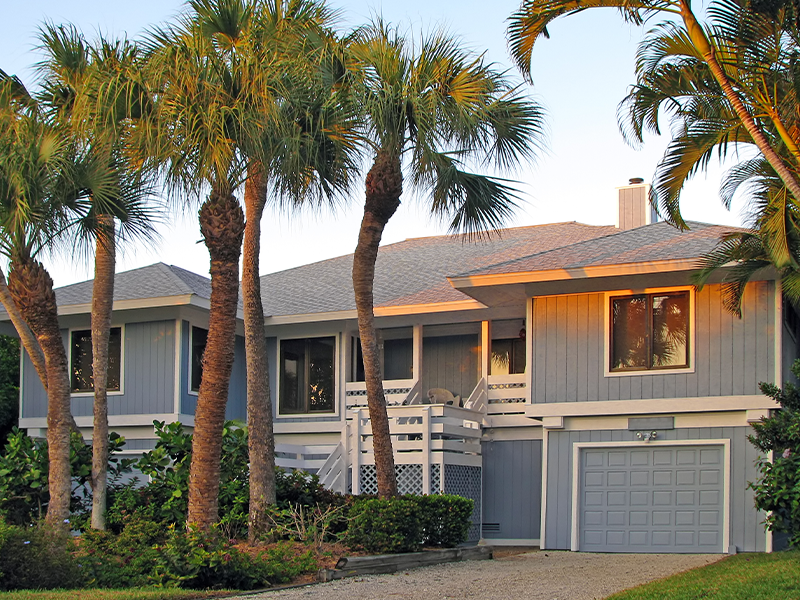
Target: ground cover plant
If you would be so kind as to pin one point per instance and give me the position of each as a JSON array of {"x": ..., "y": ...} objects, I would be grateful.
[
  {"x": 116, "y": 594},
  {"x": 740, "y": 577}
]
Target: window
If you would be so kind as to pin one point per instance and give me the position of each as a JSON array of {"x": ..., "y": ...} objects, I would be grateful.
[
  {"x": 650, "y": 331},
  {"x": 199, "y": 339},
  {"x": 308, "y": 381},
  {"x": 508, "y": 356},
  {"x": 396, "y": 348},
  {"x": 81, "y": 375}
]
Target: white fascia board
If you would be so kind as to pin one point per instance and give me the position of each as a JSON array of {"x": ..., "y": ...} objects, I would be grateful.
[
  {"x": 640, "y": 268},
  {"x": 654, "y": 406},
  {"x": 139, "y": 303},
  {"x": 380, "y": 311},
  {"x": 114, "y": 420}
]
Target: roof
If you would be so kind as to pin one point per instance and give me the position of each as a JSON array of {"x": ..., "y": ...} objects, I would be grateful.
[
  {"x": 650, "y": 243},
  {"x": 154, "y": 281},
  {"x": 413, "y": 271}
]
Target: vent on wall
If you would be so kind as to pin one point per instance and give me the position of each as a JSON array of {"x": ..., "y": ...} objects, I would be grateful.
[{"x": 490, "y": 527}]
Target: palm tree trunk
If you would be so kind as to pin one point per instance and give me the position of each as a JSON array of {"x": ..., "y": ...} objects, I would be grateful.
[
  {"x": 383, "y": 188},
  {"x": 102, "y": 303},
  {"x": 260, "y": 441},
  {"x": 222, "y": 226},
  {"x": 699, "y": 39},
  {"x": 32, "y": 289},
  {"x": 29, "y": 341}
]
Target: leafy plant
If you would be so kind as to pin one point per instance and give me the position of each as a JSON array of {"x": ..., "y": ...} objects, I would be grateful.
[
  {"x": 777, "y": 491},
  {"x": 444, "y": 518},
  {"x": 384, "y": 525}
]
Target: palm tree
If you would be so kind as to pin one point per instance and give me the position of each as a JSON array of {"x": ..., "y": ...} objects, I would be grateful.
[
  {"x": 430, "y": 111},
  {"x": 531, "y": 21},
  {"x": 95, "y": 92},
  {"x": 264, "y": 108},
  {"x": 672, "y": 79}
]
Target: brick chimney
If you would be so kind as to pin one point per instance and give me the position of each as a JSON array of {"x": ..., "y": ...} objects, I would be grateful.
[{"x": 634, "y": 205}]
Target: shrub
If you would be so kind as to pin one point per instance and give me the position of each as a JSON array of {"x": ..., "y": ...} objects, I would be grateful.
[
  {"x": 37, "y": 557},
  {"x": 203, "y": 560},
  {"x": 384, "y": 526},
  {"x": 444, "y": 518},
  {"x": 122, "y": 560}
]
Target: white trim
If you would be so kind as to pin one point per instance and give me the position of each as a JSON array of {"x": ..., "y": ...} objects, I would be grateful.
[
  {"x": 543, "y": 503},
  {"x": 508, "y": 542},
  {"x": 529, "y": 366},
  {"x": 692, "y": 341},
  {"x": 189, "y": 389},
  {"x": 114, "y": 420},
  {"x": 178, "y": 355},
  {"x": 651, "y": 406},
  {"x": 778, "y": 299},
  {"x": 768, "y": 543},
  {"x": 121, "y": 390},
  {"x": 726, "y": 484},
  {"x": 340, "y": 396}
]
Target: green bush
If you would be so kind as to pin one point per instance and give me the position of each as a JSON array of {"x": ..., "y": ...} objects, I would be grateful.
[
  {"x": 121, "y": 560},
  {"x": 444, "y": 518},
  {"x": 384, "y": 526},
  {"x": 37, "y": 557},
  {"x": 204, "y": 560}
]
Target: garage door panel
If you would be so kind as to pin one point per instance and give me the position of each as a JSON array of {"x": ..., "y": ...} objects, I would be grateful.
[{"x": 657, "y": 499}]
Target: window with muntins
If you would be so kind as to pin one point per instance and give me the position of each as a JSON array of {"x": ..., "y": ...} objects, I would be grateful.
[
  {"x": 650, "y": 331},
  {"x": 81, "y": 371},
  {"x": 308, "y": 380}
]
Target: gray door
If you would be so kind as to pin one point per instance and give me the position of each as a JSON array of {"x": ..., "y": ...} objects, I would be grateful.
[{"x": 651, "y": 499}]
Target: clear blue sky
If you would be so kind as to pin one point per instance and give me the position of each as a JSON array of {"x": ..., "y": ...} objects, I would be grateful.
[{"x": 580, "y": 75}]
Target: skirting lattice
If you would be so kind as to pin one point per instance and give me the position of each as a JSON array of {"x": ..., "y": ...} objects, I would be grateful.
[
  {"x": 466, "y": 481},
  {"x": 409, "y": 479}
]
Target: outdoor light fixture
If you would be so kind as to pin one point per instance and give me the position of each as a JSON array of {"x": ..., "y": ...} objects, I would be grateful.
[{"x": 647, "y": 436}]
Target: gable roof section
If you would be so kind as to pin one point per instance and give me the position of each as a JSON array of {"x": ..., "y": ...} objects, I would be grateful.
[
  {"x": 412, "y": 272},
  {"x": 656, "y": 243}
]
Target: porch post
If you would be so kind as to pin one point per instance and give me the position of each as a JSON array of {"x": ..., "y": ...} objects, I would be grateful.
[
  {"x": 416, "y": 358},
  {"x": 346, "y": 456},
  {"x": 357, "y": 454},
  {"x": 486, "y": 348},
  {"x": 426, "y": 450}
]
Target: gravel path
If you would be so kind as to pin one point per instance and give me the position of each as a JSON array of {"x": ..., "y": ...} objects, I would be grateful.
[{"x": 544, "y": 575}]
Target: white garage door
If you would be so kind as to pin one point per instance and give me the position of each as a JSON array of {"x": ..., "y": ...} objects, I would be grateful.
[{"x": 651, "y": 499}]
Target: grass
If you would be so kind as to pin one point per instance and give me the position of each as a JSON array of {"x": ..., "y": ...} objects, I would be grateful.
[
  {"x": 126, "y": 594},
  {"x": 741, "y": 577}
]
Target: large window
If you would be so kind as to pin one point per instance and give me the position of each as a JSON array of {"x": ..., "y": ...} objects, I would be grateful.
[
  {"x": 650, "y": 331},
  {"x": 81, "y": 373},
  {"x": 308, "y": 375},
  {"x": 199, "y": 339},
  {"x": 508, "y": 356}
]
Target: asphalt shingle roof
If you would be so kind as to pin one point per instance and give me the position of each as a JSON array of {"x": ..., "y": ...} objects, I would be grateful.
[{"x": 414, "y": 271}]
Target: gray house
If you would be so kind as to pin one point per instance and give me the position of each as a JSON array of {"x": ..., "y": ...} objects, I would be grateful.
[{"x": 567, "y": 377}]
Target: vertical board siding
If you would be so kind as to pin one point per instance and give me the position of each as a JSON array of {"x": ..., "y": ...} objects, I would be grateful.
[
  {"x": 236, "y": 408},
  {"x": 747, "y": 529},
  {"x": 451, "y": 362},
  {"x": 512, "y": 488},
  {"x": 731, "y": 356}
]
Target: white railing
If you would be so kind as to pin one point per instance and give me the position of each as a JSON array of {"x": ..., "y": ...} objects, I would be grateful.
[
  {"x": 397, "y": 391},
  {"x": 507, "y": 393},
  {"x": 294, "y": 456},
  {"x": 333, "y": 473}
]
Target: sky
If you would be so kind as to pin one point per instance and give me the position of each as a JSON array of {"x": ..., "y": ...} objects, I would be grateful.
[{"x": 580, "y": 75}]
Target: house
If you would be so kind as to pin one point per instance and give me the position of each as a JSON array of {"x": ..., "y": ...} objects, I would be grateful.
[{"x": 567, "y": 377}]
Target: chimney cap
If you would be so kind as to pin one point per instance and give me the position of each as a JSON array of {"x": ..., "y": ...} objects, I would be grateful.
[{"x": 636, "y": 180}]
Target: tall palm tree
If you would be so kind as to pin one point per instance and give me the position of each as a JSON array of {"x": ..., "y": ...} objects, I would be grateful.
[
  {"x": 263, "y": 90},
  {"x": 432, "y": 111},
  {"x": 531, "y": 21},
  {"x": 95, "y": 91}
]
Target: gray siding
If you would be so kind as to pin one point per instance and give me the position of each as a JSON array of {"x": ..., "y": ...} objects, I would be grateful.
[
  {"x": 747, "y": 530},
  {"x": 732, "y": 355},
  {"x": 148, "y": 376},
  {"x": 237, "y": 389},
  {"x": 451, "y": 362},
  {"x": 512, "y": 489},
  {"x": 789, "y": 355}
]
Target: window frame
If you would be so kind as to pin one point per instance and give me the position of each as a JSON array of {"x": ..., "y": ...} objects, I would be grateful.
[
  {"x": 192, "y": 326},
  {"x": 609, "y": 297},
  {"x": 121, "y": 390},
  {"x": 337, "y": 373}
]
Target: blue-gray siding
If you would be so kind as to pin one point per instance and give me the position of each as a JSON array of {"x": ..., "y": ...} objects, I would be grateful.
[
  {"x": 451, "y": 362},
  {"x": 148, "y": 376},
  {"x": 732, "y": 356},
  {"x": 747, "y": 529},
  {"x": 512, "y": 489}
]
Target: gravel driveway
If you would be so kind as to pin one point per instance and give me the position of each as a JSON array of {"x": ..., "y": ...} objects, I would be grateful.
[{"x": 544, "y": 575}]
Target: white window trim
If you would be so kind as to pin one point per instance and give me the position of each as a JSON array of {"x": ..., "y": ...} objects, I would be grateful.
[
  {"x": 726, "y": 484},
  {"x": 121, "y": 391},
  {"x": 337, "y": 340},
  {"x": 189, "y": 389},
  {"x": 647, "y": 372}
]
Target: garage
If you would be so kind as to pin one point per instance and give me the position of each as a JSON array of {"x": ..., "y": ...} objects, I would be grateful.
[{"x": 651, "y": 498}]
